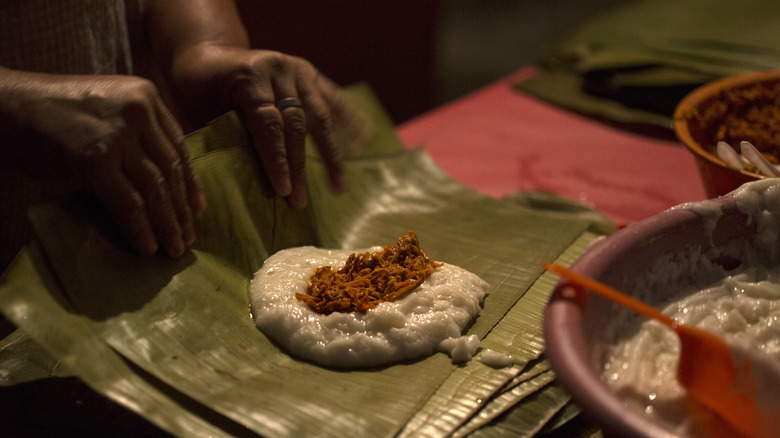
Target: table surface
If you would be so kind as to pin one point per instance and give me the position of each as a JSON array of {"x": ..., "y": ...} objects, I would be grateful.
[{"x": 498, "y": 140}]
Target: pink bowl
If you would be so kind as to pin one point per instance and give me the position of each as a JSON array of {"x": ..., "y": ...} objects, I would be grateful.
[{"x": 577, "y": 333}]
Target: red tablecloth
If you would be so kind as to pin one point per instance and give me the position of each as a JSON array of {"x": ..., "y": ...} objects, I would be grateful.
[{"x": 498, "y": 140}]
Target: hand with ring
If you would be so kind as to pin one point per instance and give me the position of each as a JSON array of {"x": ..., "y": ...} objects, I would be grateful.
[
  {"x": 281, "y": 98},
  {"x": 279, "y": 111}
]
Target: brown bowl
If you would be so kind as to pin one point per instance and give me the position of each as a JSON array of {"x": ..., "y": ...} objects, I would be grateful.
[{"x": 700, "y": 134}]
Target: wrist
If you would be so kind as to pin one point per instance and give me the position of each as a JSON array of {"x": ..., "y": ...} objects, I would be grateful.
[{"x": 204, "y": 76}]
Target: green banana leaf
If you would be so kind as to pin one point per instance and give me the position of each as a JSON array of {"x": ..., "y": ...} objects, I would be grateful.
[
  {"x": 173, "y": 340},
  {"x": 634, "y": 63},
  {"x": 525, "y": 421},
  {"x": 32, "y": 299},
  {"x": 474, "y": 389}
]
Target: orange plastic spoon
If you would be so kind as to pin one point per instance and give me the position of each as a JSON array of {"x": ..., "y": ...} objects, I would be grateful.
[{"x": 720, "y": 376}]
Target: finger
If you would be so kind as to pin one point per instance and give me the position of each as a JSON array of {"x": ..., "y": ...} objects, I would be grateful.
[
  {"x": 169, "y": 165},
  {"x": 127, "y": 208},
  {"x": 193, "y": 189},
  {"x": 295, "y": 142},
  {"x": 150, "y": 183},
  {"x": 294, "y": 122},
  {"x": 319, "y": 119},
  {"x": 166, "y": 157},
  {"x": 265, "y": 125}
]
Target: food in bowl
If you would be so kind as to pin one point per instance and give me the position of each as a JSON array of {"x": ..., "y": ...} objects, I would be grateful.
[
  {"x": 743, "y": 306},
  {"x": 749, "y": 113},
  {"x": 714, "y": 264},
  {"x": 732, "y": 110}
]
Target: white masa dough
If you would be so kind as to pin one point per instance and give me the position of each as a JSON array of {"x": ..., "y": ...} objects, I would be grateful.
[
  {"x": 408, "y": 328},
  {"x": 742, "y": 306}
]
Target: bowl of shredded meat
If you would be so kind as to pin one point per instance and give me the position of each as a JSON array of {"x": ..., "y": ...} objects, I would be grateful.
[{"x": 737, "y": 109}]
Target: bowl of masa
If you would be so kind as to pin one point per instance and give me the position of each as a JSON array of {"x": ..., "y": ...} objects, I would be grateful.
[{"x": 714, "y": 264}]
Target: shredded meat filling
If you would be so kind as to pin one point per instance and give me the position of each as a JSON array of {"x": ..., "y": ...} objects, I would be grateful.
[
  {"x": 367, "y": 279},
  {"x": 750, "y": 113}
]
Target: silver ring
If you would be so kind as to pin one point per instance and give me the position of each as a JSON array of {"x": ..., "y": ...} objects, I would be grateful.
[
  {"x": 288, "y": 102},
  {"x": 98, "y": 148}
]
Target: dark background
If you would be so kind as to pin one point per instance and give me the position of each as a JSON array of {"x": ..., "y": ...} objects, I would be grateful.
[{"x": 415, "y": 54}]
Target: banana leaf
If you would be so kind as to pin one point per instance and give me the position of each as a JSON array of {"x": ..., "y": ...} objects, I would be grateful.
[
  {"x": 527, "y": 389},
  {"x": 23, "y": 360},
  {"x": 525, "y": 421},
  {"x": 474, "y": 389},
  {"x": 633, "y": 63},
  {"x": 507, "y": 399},
  {"x": 173, "y": 340},
  {"x": 32, "y": 298}
]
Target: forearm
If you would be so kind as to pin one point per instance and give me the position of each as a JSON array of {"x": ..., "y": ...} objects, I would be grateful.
[
  {"x": 188, "y": 38},
  {"x": 180, "y": 25},
  {"x": 207, "y": 59},
  {"x": 22, "y": 94}
]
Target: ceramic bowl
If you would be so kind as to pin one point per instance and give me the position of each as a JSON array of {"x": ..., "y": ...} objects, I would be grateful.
[
  {"x": 699, "y": 116},
  {"x": 578, "y": 332}
]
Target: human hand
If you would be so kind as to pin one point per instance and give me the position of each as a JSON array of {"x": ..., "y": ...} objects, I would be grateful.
[
  {"x": 209, "y": 63},
  {"x": 112, "y": 136},
  {"x": 258, "y": 83},
  {"x": 259, "y": 89}
]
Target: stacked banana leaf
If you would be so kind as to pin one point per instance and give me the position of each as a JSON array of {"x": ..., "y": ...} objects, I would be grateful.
[
  {"x": 634, "y": 63},
  {"x": 174, "y": 342}
]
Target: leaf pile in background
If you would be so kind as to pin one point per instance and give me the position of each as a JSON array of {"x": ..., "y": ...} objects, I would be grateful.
[{"x": 634, "y": 63}]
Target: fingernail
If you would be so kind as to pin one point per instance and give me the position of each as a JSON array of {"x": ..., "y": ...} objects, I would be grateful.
[
  {"x": 297, "y": 200},
  {"x": 284, "y": 188},
  {"x": 341, "y": 183},
  {"x": 188, "y": 235},
  {"x": 200, "y": 204},
  {"x": 177, "y": 249},
  {"x": 148, "y": 246}
]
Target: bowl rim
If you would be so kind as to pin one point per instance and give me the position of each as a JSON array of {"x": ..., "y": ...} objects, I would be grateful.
[
  {"x": 685, "y": 107},
  {"x": 563, "y": 334}
]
